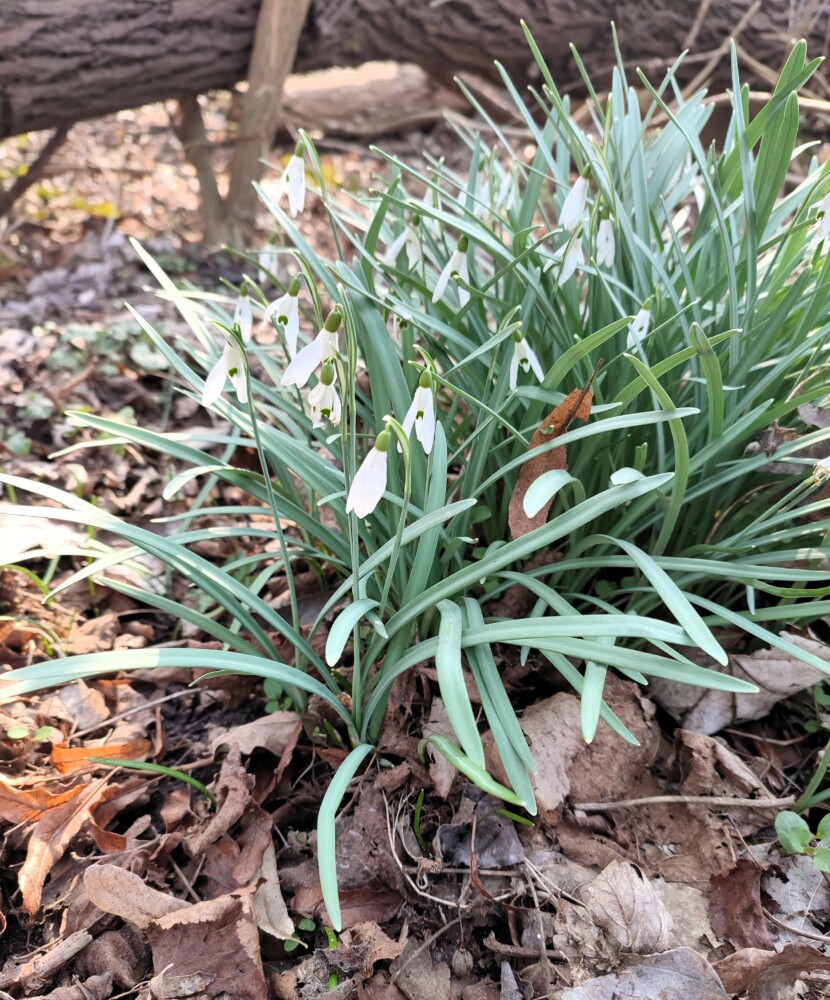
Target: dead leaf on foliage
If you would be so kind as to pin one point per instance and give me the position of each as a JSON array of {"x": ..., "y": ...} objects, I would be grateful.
[
  {"x": 216, "y": 939},
  {"x": 709, "y": 767},
  {"x": 117, "y": 797},
  {"x": 20, "y": 805},
  {"x": 115, "y": 890},
  {"x": 777, "y": 676},
  {"x": 357, "y": 905},
  {"x": 76, "y": 760},
  {"x": 94, "y": 636},
  {"x": 763, "y": 975},
  {"x": 52, "y": 835},
  {"x": 624, "y": 903},
  {"x": 575, "y": 406},
  {"x": 442, "y": 773},
  {"x": 416, "y": 975},
  {"x": 276, "y": 732},
  {"x": 233, "y": 790},
  {"x": 681, "y": 974},
  {"x": 735, "y": 906},
  {"x": 814, "y": 416},
  {"x": 373, "y": 941}
]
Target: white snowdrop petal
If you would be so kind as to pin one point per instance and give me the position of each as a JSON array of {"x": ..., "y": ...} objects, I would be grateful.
[
  {"x": 444, "y": 279},
  {"x": 425, "y": 427},
  {"x": 514, "y": 368},
  {"x": 573, "y": 207},
  {"x": 296, "y": 185},
  {"x": 215, "y": 382},
  {"x": 534, "y": 363},
  {"x": 302, "y": 365},
  {"x": 606, "y": 243},
  {"x": 243, "y": 317},
  {"x": 368, "y": 484},
  {"x": 395, "y": 247}
]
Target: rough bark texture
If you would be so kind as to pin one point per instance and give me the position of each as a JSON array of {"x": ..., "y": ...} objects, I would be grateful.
[{"x": 64, "y": 60}]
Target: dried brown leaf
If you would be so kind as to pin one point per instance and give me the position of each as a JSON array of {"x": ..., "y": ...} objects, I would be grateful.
[
  {"x": 777, "y": 675},
  {"x": 76, "y": 760},
  {"x": 735, "y": 906},
  {"x": 216, "y": 939},
  {"x": 763, "y": 975},
  {"x": 625, "y": 904},
  {"x": 680, "y": 974},
  {"x": 94, "y": 988},
  {"x": 20, "y": 805},
  {"x": 115, "y": 890},
  {"x": 51, "y": 836},
  {"x": 576, "y": 406},
  {"x": 276, "y": 732},
  {"x": 233, "y": 789}
]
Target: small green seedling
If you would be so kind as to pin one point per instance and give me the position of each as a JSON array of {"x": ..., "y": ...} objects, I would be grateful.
[
  {"x": 305, "y": 925},
  {"x": 795, "y": 837}
]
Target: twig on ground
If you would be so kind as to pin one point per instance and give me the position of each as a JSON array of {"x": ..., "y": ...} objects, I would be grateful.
[
  {"x": 794, "y": 930},
  {"x": 34, "y": 172},
  {"x": 719, "y": 801}
]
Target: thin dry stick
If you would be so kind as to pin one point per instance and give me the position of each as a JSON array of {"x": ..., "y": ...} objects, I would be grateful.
[
  {"x": 720, "y": 801},
  {"x": 712, "y": 62},
  {"x": 132, "y": 711},
  {"x": 794, "y": 930}
]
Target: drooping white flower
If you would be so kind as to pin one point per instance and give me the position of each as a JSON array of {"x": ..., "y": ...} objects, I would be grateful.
[
  {"x": 293, "y": 181},
  {"x": 286, "y": 311},
  {"x": 506, "y": 198},
  {"x": 524, "y": 357},
  {"x": 369, "y": 482},
  {"x": 421, "y": 413},
  {"x": 481, "y": 206},
  {"x": 231, "y": 365},
  {"x": 243, "y": 317},
  {"x": 323, "y": 348},
  {"x": 638, "y": 328},
  {"x": 267, "y": 264},
  {"x": 821, "y": 472},
  {"x": 323, "y": 399},
  {"x": 574, "y": 205},
  {"x": 567, "y": 260},
  {"x": 456, "y": 267},
  {"x": 823, "y": 218},
  {"x": 410, "y": 239},
  {"x": 606, "y": 244}
]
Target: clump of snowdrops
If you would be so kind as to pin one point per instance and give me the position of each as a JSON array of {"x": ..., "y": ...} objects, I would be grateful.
[{"x": 394, "y": 413}]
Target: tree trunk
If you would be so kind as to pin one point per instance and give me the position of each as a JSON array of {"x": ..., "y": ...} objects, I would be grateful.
[{"x": 65, "y": 60}]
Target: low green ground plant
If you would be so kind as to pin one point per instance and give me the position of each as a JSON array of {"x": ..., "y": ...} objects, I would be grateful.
[{"x": 688, "y": 287}]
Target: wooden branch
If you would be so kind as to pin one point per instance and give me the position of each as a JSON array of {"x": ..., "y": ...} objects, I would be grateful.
[
  {"x": 275, "y": 45},
  {"x": 190, "y": 130}
]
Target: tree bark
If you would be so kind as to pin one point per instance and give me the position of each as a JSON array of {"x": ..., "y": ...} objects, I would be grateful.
[{"x": 65, "y": 60}]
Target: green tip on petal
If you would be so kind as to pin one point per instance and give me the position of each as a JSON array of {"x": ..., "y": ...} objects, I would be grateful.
[
  {"x": 425, "y": 381},
  {"x": 294, "y": 287},
  {"x": 463, "y": 243},
  {"x": 382, "y": 441},
  {"x": 333, "y": 321},
  {"x": 415, "y": 220}
]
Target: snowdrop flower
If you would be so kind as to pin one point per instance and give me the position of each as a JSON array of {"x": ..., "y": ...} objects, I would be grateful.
[
  {"x": 286, "y": 311},
  {"x": 267, "y": 264},
  {"x": 369, "y": 482},
  {"x": 243, "y": 317},
  {"x": 574, "y": 205},
  {"x": 823, "y": 218},
  {"x": 421, "y": 413},
  {"x": 293, "y": 181},
  {"x": 524, "y": 357},
  {"x": 638, "y": 328},
  {"x": 821, "y": 472},
  {"x": 323, "y": 399},
  {"x": 231, "y": 366},
  {"x": 506, "y": 198},
  {"x": 456, "y": 267},
  {"x": 322, "y": 349},
  {"x": 568, "y": 259},
  {"x": 410, "y": 239},
  {"x": 606, "y": 245}
]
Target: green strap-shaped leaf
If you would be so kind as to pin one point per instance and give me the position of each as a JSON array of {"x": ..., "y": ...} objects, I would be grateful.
[
  {"x": 342, "y": 627},
  {"x": 451, "y": 682}
]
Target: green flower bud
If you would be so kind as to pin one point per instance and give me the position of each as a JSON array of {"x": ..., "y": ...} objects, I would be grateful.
[
  {"x": 299, "y": 149},
  {"x": 382, "y": 441},
  {"x": 425, "y": 381},
  {"x": 463, "y": 243},
  {"x": 294, "y": 287},
  {"x": 333, "y": 321},
  {"x": 327, "y": 374}
]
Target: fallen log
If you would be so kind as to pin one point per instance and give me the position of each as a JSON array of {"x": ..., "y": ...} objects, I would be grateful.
[{"x": 62, "y": 61}]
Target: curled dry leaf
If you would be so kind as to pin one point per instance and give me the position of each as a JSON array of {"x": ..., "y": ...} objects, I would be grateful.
[
  {"x": 624, "y": 903},
  {"x": 76, "y": 760},
  {"x": 22, "y": 805},
  {"x": 765, "y": 975},
  {"x": 276, "y": 732},
  {"x": 680, "y": 974},
  {"x": 777, "y": 675},
  {"x": 233, "y": 789},
  {"x": 115, "y": 890},
  {"x": 52, "y": 835},
  {"x": 735, "y": 906},
  {"x": 575, "y": 406},
  {"x": 94, "y": 988}
]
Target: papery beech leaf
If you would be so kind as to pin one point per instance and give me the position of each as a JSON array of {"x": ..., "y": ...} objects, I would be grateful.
[{"x": 576, "y": 406}]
